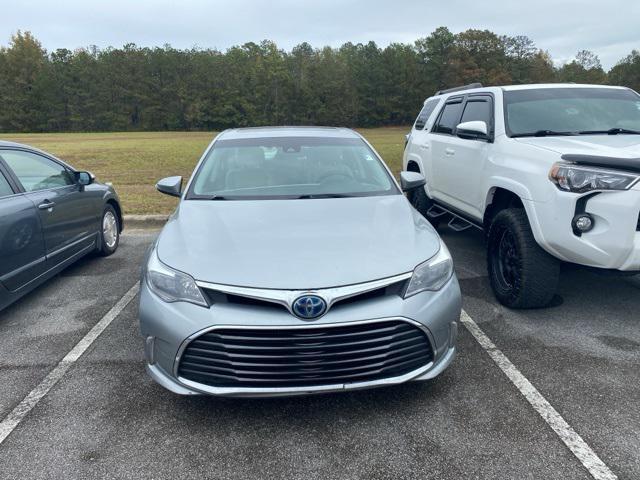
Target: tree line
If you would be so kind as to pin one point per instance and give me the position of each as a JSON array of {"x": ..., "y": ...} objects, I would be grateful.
[{"x": 358, "y": 85}]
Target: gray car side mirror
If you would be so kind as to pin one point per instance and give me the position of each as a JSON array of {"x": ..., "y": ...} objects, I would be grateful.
[
  {"x": 170, "y": 186},
  {"x": 411, "y": 180},
  {"x": 85, "y": 178}
]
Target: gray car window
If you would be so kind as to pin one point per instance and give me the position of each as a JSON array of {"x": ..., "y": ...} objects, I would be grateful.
[
  {"x": 36, "y": 172},
  {"x": 291, "y": 167},
  {"x": 5, "y": 188}
]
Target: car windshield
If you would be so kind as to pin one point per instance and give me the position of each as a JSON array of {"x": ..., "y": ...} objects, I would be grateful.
[
  {"x": 549, "y": 111},
  {"x": 290, "y": 167}
]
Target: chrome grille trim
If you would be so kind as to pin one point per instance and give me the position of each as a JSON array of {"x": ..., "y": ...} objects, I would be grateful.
[{"x": 287, "y": 297}]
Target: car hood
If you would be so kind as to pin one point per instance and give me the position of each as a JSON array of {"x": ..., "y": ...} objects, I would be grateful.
[
  {"x": 617, "y": 146},
  {"x": 296, "y": 244}
]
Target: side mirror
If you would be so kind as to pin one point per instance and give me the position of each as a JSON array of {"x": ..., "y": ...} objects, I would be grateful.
[
  {"x": 476, "y": 130},
  {"x": 170, "y": 186},
  {"x": 411, "y": 180},
  {"x": 85, "y": 178}
]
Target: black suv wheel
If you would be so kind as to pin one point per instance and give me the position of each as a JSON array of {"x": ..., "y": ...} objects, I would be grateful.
[
  {"x": 522, "y": 274},
  {"x": 423, "y": 203}
]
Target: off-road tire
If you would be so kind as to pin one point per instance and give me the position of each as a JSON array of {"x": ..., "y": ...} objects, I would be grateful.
[
  {"x": 423, "y": 203},
  {"x": 522, "y": 274}
]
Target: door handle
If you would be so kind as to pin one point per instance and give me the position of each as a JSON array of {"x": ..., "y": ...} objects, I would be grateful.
[
  {"x": 449, "y": 151},
  {"x": 424, "y": 146},
  {"x": 46, "y": 205}
]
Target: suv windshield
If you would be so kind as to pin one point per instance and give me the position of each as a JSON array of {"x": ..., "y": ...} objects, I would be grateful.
[
  {"x": 562, "y": 111},
  {"x": 290, "y": 167}
]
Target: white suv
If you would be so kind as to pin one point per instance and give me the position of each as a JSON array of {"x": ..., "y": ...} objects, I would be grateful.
[{"x": 550, "y": 173}]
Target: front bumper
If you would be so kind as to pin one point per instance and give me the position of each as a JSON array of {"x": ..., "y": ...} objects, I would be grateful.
[
  {"x": 613, "y": 243},
  {"x": 167, "y": 327}
]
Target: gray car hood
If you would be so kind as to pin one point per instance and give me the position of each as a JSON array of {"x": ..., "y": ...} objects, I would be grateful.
[
  {"x": 621, "y": 146},
  {"x": 296, "y": 244}
]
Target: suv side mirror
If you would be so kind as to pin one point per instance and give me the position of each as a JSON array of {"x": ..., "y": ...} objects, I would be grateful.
[
  {"x": 411, "y": 180},
  {"x": 476, "y": 130},
  {"x": 170, "y": 186},
  {"x": 85, "y": 178}
]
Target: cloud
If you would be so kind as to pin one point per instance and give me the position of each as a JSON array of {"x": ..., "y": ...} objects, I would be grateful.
[{"x": 562, "y": 27}]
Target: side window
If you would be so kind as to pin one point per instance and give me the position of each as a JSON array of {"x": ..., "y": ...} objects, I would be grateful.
[
  {"x": 36, "y": 172},
  {"x": 448, "y": 118},
  {"x": 5, "y": 188},
  {"x": 425, "y": 113},
  {"x": 479, "y": 109}
]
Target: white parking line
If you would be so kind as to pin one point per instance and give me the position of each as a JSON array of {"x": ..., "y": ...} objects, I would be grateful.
[
  {"x": 13, "y": 419},
  {"x": 568, "y": 435}
]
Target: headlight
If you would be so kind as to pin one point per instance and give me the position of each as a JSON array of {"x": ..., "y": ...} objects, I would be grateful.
[
  {"x": 581, "y": 179},
  {"x": 171, "y": 285},
  {"x": 432, "y": 274}
]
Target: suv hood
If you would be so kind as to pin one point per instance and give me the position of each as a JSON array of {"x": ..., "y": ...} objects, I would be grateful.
[
  {"x": 617, "y": 146},
  {"x": 296, "y": 244}
]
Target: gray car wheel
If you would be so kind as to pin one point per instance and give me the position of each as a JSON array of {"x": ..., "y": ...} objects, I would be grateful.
[{"x": 110, "y": 232}]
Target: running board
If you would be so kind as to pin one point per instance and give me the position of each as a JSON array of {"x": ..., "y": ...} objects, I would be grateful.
[
  {"x": 457, "y": 223},
  {"x": 436, "y": 212}
]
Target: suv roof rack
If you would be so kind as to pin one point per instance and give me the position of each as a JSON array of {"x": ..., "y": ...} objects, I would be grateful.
[{"x": 459, "y": 89}]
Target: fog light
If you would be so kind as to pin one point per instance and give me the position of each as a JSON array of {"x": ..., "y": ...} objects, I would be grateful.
[{"x": 583, "y": 222}]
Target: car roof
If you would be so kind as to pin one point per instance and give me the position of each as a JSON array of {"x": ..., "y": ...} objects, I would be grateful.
[
  {"x": 558, "y": 85},
  {"x": 4, "y": 143},
  {"x": 530, "y": 86},
  {"x": 268, "y": 132}
]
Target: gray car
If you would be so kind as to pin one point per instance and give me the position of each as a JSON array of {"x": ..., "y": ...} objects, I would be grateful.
[
  {"x": 294, "y": 264},
  {"x": 50, "y": 216}
]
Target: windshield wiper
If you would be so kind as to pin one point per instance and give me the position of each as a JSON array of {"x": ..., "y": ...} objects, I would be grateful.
[
  {"x": 324, "y": 195},
  {"x": 542, "y": 133},
  {"x": 611, "y": 131}
]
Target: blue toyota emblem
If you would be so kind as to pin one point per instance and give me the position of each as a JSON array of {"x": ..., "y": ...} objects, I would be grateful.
[{"x": 309, "y": 307}]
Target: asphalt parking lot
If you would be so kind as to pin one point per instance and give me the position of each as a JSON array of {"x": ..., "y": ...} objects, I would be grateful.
[{"x": 105, "y": 418}]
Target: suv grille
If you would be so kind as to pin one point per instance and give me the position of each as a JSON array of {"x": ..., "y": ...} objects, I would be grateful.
[{"x": 302, "y": 357}]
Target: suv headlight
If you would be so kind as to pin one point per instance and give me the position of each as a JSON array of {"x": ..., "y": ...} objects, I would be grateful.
[
  {"x": 171, "y": 285},
  {"x": 433, "y": 274},
  {"x": 581, "y": 179}
]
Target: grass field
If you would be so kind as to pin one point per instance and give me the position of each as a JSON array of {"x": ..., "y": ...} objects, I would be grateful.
[{"x": 134, "y": 162}]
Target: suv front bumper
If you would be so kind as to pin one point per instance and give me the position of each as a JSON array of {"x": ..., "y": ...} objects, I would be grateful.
[{"x": 614, "y": 241}]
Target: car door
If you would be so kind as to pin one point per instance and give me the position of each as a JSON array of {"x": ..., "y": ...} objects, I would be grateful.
[
  {"x": 22, "y": 250},
  {"x": 442, "y": 140},
  {"x": 67, "y": 216},
  {"x": 460, "y": 161},
  {"x": 418, "y": 147}
]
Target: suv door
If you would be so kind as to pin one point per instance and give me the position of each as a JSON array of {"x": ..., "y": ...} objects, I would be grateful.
[
  {"x": 459, "y": 162},
  {"x": 69, "y": 222},
  {"x": 417, "y": 149},
  {"x": 22, "y": 251}
]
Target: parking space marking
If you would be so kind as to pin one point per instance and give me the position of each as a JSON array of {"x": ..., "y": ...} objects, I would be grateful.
[
  {"x": 568, "y": 435},
  {"x": 13, "y": 419}
]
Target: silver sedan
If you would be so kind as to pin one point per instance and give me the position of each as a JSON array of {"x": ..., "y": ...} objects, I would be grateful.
[{"x": 294, "y": 264}]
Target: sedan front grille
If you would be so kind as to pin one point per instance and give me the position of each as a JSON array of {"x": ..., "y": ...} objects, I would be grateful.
[{"x": 305, "y": 357}]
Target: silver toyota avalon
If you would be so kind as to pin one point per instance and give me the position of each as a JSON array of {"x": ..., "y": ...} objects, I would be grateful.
[{"x": 294, "y": 264}]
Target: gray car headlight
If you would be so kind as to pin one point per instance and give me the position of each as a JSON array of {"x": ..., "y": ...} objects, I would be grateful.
[
  {"x": 433, "y": 274},
  {"x": 581, "y": 179},
  {"x": 171, "y": 285}
]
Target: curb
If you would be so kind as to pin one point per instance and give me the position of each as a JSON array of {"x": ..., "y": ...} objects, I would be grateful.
[{"x": 144, "y": 221}]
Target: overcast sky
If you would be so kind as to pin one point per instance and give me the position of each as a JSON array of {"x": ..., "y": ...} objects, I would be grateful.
[{"x": 607, "y": 27}]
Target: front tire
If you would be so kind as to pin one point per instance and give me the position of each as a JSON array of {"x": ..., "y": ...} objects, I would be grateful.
[
  {"x": 423, "y": 203},
  {"x": 109, "y": 231},
  {"x": 522, "y": 274}
]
